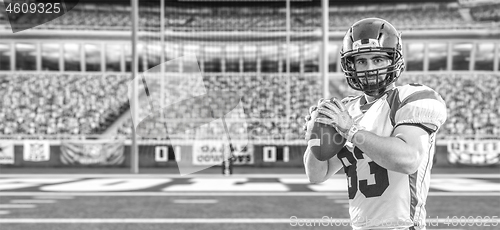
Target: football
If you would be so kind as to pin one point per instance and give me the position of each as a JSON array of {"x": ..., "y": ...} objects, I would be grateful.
[{"x": 325, "y": 142}]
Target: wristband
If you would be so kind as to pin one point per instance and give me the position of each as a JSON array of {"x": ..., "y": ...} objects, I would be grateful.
[{"x": 353, "y": 130}]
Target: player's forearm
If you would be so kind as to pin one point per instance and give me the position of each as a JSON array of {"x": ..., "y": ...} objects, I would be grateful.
[
  {"x": 316, "y": 170},
  {"x": 389, "y": 152}
]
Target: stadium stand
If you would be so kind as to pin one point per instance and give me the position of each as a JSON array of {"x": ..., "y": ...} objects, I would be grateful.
[
  {"x": 263, "y": 102},
  {"x": 486, "y": 13},
  {"x": 405, "y": 19},
  {"x": 60, "y": 104},
  {"x": 473, "y": 106},
  {"x": 49, "y": 104},
  {"x": 414, "y": 17}
]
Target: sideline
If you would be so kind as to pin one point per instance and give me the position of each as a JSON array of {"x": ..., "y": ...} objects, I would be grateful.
[
  {"x": 138, "y": 194},
  {"x": 484, "y": 176},
  {"x": 444, "y": 221}
]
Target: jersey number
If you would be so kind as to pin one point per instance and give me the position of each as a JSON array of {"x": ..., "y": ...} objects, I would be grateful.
[{"x": 380, "y": 174}]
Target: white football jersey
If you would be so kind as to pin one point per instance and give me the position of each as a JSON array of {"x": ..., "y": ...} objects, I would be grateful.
[{"x": 381, "y": 198}]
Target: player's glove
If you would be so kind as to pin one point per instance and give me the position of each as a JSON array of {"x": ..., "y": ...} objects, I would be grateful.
[{"x": 334, "y": 113}]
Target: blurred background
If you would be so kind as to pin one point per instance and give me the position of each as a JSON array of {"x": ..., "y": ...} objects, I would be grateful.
[
  {"x": 70, "y": 157},
  {"x": 63, "y": 84}
]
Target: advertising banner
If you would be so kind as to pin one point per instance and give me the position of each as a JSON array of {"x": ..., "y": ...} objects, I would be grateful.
[
  {"x": 99, "y": 152},
  {"x": 211, "y": 153},
  {"x": 467, "y": 152},
  {"x": 6, "y": 153},
  {"x": 36, "y": 151}
]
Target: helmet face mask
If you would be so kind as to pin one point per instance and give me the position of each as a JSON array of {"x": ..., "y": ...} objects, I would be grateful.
[{"x": 372, "y": 36}]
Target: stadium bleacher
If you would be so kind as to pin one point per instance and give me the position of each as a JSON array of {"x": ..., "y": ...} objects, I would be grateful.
[
  {"x": 49, "y": 103},
  {"x": 417, "y": 17},
  {"x": 87, "y": 104},
  {"x": 264, "y": 104},
  {"x": 60, "y": 104},
  {"x": 486, "y": 13}
]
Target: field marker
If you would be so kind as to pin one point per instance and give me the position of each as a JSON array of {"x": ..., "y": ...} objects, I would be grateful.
[
  {"x": 298, "y": 175},
  {"x": 464, "y": 193},
  {"x": 32, "y": 201},
  {"x": 337, "y": 200},
  {"x": 155, "y": 221},
  {"x": 195, "y": 201},
  {"x": 209, "y": 193},
  {"x": 53, "y": 197},
  {"x": 341, "y": 201},
  {"x": 4, "y": 212},
  {"x": 195, "y": 221},
  {"x": 17, "y": 206},
  {"x": 214, "y": 176}
]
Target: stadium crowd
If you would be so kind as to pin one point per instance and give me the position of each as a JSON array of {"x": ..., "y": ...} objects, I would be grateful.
[
  {"x": 486, "y": 13},
  {"x": 85, "y": 104},
  {"x": 178, "y": 18},
  {"x": 263, "y": 105},
  {"x": 59, "y": 104},
  {"x": 407, "y": 19}
]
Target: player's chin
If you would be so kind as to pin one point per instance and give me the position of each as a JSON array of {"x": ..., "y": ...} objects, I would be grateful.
[
  {"x": 374, "y": 93},
  {"x": 371, "y": 82},
  {"x": 371, "y": 79}
]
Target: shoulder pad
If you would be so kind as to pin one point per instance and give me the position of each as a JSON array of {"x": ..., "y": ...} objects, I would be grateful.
[{"x": 420, "y": 104}]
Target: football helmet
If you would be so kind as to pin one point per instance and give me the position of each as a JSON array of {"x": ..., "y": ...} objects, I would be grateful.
[{"x": 372, "y": 35}]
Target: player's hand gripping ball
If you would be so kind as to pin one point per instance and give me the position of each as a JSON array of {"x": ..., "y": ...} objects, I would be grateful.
[
  {"x": 323, "y": 139},
  {"x": 335, "y": 114}
]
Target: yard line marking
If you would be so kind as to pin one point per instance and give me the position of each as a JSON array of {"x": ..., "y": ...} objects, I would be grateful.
[
  {"x": 53, "y": 197},
  {"x": 208, "y": 193},
  {"x": 106, "y": 185},
  {"x": 22, "y": 183},
  {"x": 32, "y": 201},
  {"x": 4, "y": 212},
  {"x": 225, "y": 185},
  {"x": 214, "y": 176},
  {"x": 337, "y": 200},
  {"x": 492, "y": 175},
  {"x": 17, "y": 206},
  {"x": 163, "y": 221},
  {"x": 174, "y": 194},
  {"x": 464, "y": 193},
  {"x": 198, "y": 220},
  {"x": 156, "y": 176},
  {"x": 464, "y": 185},
  {"x": 341, "y": 201},
  {"x": 195, "y": 201}
]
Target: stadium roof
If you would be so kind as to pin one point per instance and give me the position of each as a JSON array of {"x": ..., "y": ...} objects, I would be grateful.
[{"x": 247, "y": 3}]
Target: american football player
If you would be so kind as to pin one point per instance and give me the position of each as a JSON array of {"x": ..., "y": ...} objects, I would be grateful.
[{"x": 390, "y": 132}]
